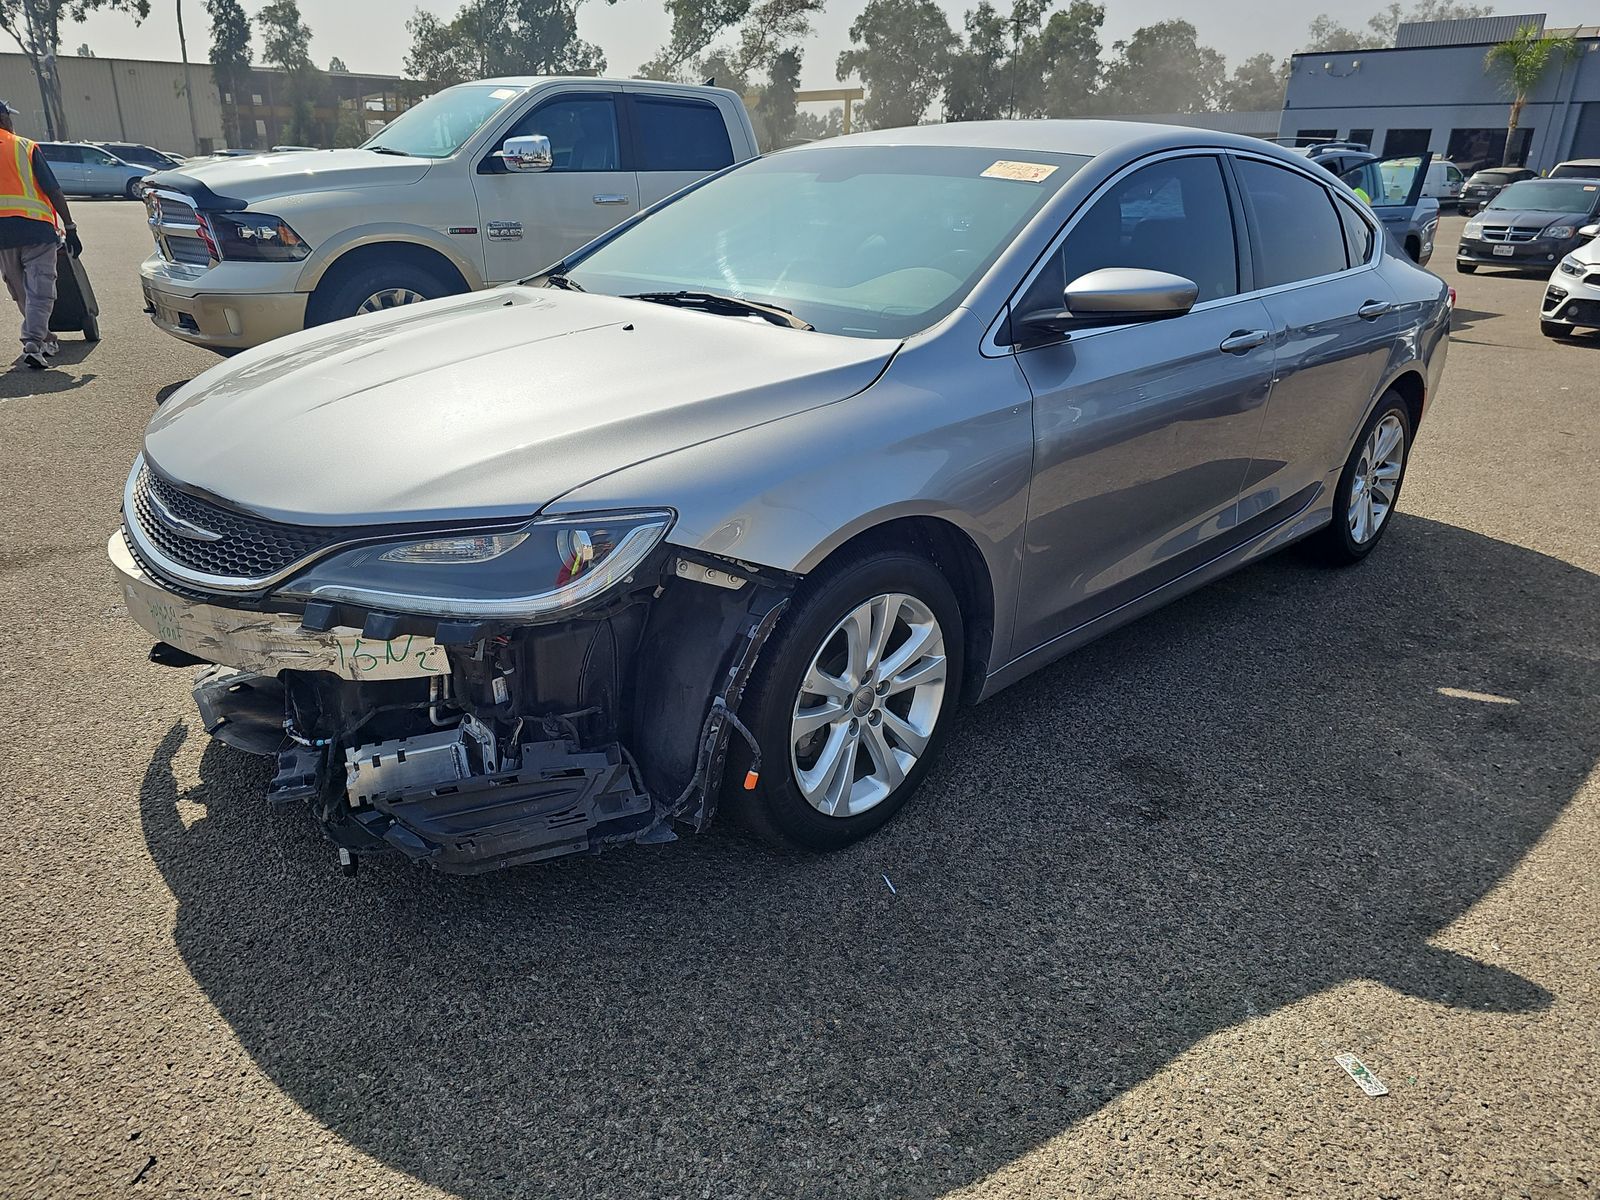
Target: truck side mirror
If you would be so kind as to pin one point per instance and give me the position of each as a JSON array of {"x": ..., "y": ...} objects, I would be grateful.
[{"x": 529, "y": 153}]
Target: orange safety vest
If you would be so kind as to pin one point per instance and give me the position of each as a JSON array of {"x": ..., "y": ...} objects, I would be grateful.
[{"x": 19, "y": 189}]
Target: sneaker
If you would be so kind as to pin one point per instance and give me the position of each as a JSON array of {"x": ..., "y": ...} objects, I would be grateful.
[
  {"x": 33, "y": 357},
  {"x": 51, "y": 347}
]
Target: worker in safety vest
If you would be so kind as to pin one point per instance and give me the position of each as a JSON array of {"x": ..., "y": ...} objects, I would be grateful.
[{"x": 33, "y": 217}]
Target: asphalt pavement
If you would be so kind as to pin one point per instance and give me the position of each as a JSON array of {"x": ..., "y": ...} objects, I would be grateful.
[{"x": 1142, "y": 903}]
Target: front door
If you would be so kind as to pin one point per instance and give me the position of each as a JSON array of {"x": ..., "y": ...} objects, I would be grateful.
[
  {"x": 529, "y": 220},
  {"x": 1143, "y": 433}
]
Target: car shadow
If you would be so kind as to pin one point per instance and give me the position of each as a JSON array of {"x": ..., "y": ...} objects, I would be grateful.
[
  {"x": 1462, "y": 319},
  {"x": 1294, "y": 778}
]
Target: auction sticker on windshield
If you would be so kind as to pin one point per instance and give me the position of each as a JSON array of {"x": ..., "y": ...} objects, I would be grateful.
[{"x": 1024, "y": 172}]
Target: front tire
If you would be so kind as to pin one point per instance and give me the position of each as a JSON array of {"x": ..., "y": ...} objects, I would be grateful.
[
  {"x": 375, "y": 288},
  {"x": 851, "y": 701},
  {"x": 1369, "y": 486}
]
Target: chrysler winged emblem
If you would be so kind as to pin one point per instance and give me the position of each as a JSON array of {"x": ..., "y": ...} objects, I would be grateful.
[{"x": 177, "y": 525}]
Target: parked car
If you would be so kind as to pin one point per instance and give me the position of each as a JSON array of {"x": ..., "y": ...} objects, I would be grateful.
[
  {"x": 1577, "y": 168},
  {"x": 1531, "y": 225},
  {"x": 139, "y": 155},
  {"x": 736, "y": 504},
  {"x": 86, "y": 170},
  {"x": 1483, "y": 186},
  {"x": 1572, "y": 298},
  {"x": 1394, "y": 188},
  {"x": 480, "y": 184}
]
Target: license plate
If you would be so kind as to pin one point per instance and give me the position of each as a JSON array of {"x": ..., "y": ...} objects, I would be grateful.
[{"x": 1505, "y": 251}]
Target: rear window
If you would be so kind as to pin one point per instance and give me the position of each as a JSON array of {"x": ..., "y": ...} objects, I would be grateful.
[
  {"x": 1577, "y": 170},
  {"x": 1493, "y": 177},
  {"x": 680, "y": 135},
  {"x": 1298, "y": 232}
]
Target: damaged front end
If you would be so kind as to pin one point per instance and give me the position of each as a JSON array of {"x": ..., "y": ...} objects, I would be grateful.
[{"x": 501, "y": 723}]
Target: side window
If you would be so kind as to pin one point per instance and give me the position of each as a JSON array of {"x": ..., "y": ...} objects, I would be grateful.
[
  {"x": 1297, "y": 232},
  {"x": 680, "y": 135},
  {"x": 1455, "y": 174},
  {"x": 1359, "y": 237},
  {"x": 1171, "y": 216},
  {"x": 582, "y": 131},
  {"x": 98, "y": 158},
  {"x": 1365, "y": 181}
]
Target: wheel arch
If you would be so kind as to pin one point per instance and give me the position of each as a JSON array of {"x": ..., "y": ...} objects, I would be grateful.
[
  {"x": 341, "y": 255},
  {"x": 1413, "y": 389},
  {"x": 956, "y": 555}
]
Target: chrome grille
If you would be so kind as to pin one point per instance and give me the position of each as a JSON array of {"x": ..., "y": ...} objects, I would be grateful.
[
  {"x": 246, "y": 549},
  {"x": 175, "y": 225},
  {"x": 1508, "y": 233}
]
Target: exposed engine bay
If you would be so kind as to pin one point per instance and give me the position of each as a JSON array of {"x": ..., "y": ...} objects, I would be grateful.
[{"x": 511, "y": 744}]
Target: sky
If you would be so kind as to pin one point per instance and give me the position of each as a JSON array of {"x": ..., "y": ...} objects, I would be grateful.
[{"x": 370, "y": 35}]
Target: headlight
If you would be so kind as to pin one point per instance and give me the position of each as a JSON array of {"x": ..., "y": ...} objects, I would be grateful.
[
  {"x": 1559, "y": 231},
  {"x": 1571, "y": 266},
  {"x": 254, "y": 237},
  {"x": 1473, "y": 229},
  {"x": 546, "y": 567}
]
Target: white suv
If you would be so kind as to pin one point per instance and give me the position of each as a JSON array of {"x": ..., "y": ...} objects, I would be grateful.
[{"x": 480, "y": 184}]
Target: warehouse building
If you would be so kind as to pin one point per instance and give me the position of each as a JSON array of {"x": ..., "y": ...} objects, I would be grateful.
[
  {"x": 1431, "y": 92},
  {"x": 138, "y": 100}
]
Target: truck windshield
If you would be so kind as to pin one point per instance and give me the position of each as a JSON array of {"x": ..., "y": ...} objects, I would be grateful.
[
  {"x": 865, "y": 241},
  {"x": 442, "y": 123}
]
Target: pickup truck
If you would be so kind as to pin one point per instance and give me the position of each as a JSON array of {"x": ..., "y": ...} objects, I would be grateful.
[{"x": 480, "y": 184}]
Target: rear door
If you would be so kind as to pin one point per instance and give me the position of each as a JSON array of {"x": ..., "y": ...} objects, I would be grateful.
[
  {"x": 1335, "y": 324},
  {"x": 677, "y": 140},
  {"x": 103, "y": 174},
  {"x": 66, "y": 164},
  {"x": 530, "y": 219}
]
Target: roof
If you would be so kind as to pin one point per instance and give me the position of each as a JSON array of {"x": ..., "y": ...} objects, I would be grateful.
[{"x": 1044, "y": 137}]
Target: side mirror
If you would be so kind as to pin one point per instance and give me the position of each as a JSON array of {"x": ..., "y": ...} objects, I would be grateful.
[
  {"x": 1591, "y": 231},
  {"x": 530, "y": 153},
  {"x": 1114, "y": 296}
]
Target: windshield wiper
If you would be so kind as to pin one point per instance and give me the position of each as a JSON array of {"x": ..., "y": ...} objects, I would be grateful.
[
  {"x": 386, "y": 150},
  {"x": 566, "y": 284},
  {"x": 715, "y": 302}
]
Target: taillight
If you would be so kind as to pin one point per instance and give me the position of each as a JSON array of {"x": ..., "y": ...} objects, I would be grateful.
[{"x": 1452, "y": 298}]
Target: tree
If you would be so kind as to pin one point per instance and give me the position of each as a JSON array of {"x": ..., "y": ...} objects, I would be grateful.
[
  {"x": 776, "y": 108},
  {"x": 1068, "y": 62},
  {"x": 978, "y": 85},
  {"x": 1521, "y": 62},
  {"x": 337, "y": 67},
  {"x": 1383, "y": 27},
  {"x": 1162, "y": 68},
  {"x": 83, "y": 51},
  {"x": 1257, "y": 85},
  {"x": 286, "y": 43},
  {"x": 188, "y": 81},
  {"x": 35, "y": 26},
  {"x": 813, "y": 128},
  {"x": 500, "y": 37},
  {"x": 230, "y": 60},
  {"x": 900, "y": 49}
]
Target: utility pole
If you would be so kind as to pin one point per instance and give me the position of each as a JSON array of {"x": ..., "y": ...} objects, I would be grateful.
[{"x": 188, "y": 83}]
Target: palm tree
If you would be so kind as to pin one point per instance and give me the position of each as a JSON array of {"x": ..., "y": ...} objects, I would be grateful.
[{"x": 1522, "y": 61}]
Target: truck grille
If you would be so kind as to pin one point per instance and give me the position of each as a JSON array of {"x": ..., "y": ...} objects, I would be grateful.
[
  {"x": 248, "y": 548},
  {"x": 175, "y": 225}
]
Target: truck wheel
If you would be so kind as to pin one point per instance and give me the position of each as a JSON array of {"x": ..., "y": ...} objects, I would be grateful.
[{"x": 377, "y": 288}]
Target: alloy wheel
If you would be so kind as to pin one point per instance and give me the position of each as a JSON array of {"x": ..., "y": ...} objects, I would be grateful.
[
  {"x": 389, "y": 298},
  {"x": 868, "y": 705},
  {"x": 1377, "y": 479}
]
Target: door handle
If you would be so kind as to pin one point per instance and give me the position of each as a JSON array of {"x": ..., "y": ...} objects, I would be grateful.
[
  {"x": 1373, "y": 309},
  {"x": 610, "y": 198},
  {"x": 1244, "y": 341}
]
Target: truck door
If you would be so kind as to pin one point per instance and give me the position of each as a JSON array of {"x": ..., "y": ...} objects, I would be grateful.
[
  {"x": 528, "y": 220},
  {"x": 677, "y": 140}
]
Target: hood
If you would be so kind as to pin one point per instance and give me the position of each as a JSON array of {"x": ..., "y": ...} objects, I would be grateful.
[
  {"x": 261, "y": 177},
  {"x": 490, "y": 404},
  {"x": 1588, "y": 253},
  {"x": 1530, "y": 218}
]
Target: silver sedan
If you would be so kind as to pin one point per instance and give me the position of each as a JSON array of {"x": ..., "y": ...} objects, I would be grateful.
[{"x": 737, "y": 504}]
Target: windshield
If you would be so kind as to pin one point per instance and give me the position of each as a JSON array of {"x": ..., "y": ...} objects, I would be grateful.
[
  {"x": 439, "y": 126},
  {"x": 1549, "y": 195},
  {"x": 866, "y": 241}
]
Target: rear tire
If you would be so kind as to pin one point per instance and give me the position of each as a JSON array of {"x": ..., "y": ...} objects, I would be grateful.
[
  {"x": 1369, "y": 487},
  {"x": 376, "y": 287},
  {"x": 1555, "y": 329},
  {"x": 131, "y": 192},
  {"x": 882, "y": 715}
]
